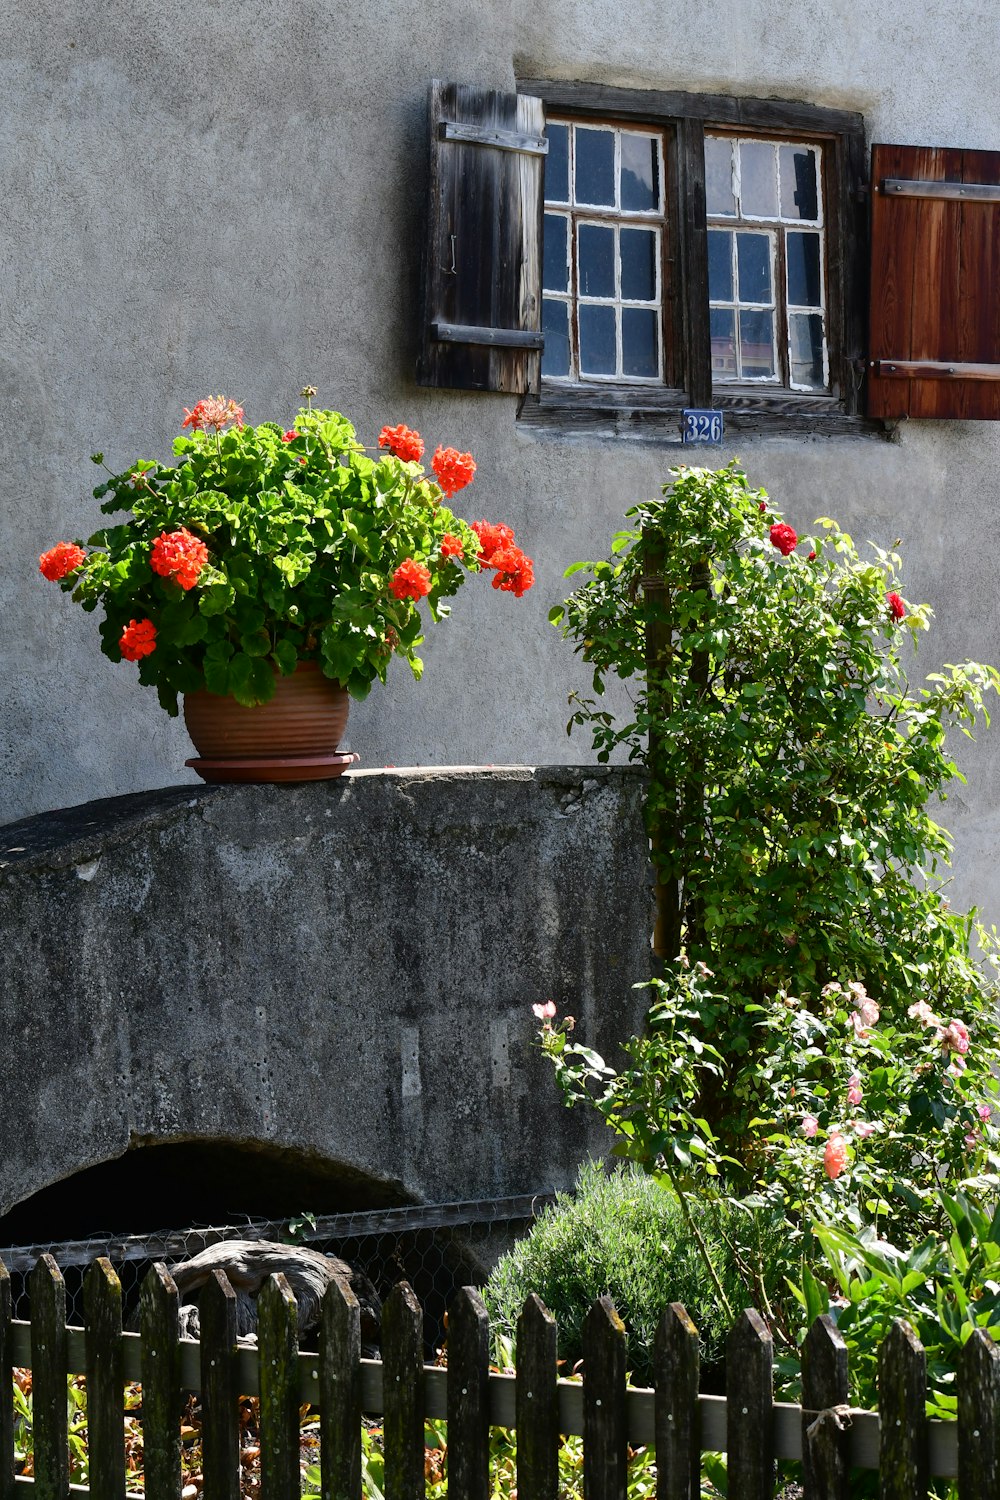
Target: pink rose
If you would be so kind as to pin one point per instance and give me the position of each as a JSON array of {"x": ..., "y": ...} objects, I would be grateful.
[
  {"x": 972, "y": 1140},
  {"x": 810, "y": 1125},
  {"x": 984, "y": 1111},
  {"x": 955, "y": 1037},
  {"x": 854, "y": 1089},
  {"x": 861, "y": 1031},
  {"x": 922, "y": 1012},
  {"x": 862, "y": 1129},
  {"x": 544, "y": 1012}
]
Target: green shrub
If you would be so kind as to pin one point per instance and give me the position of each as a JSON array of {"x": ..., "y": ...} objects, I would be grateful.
[{"x": 624, "y": 1234}]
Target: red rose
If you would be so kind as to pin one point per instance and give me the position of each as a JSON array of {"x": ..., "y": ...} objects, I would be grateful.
[
  {"x": 137, "y": 639},
  {"x": 761, "y": 506},
  {"x": 454, "y": 470},
  {"x": 491, "y": 539},
  {"x": 897, "y": 607},
  {"x": 411, "y": 580},
  {"x": 811, "y": 557},
  {"x": 63, "y": 558},
  {"x": 784, "y": 538},
  {"x": 403, "y": 442},
  {"x": 179, "y": 555},
  {"x": 451, "y": 546}
]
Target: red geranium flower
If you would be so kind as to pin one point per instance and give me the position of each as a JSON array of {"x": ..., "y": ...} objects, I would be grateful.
[
  {"x": 289, "y": 436},
  {"x": 784, "y": 538},
  {"x": 411, "y": 580},
  {"x": 492, "y": 539},
  {"x": 454, "y": 470},
  {"x": 451, "y": 546},
  {"x": 515, "y": 573},
  {"x": 897, "y": 607},
  {"x": 403, "y": 442},
  {"x": 179, "y": 555},
  {"x": 137, "y": 639},
  {"x": 63, "y": 558},
  {"x": 213, "y": 411}
]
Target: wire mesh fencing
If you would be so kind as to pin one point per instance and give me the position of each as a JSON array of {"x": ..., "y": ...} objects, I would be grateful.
[{"x": 437, "y": 1248}]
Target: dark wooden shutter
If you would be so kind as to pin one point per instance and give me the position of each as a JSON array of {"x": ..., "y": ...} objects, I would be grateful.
[
  {"x": 482, "y": 273},
  {"x": 934, "y": 347}
]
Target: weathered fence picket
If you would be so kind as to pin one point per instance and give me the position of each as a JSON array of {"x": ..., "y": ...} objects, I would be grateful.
[
  {"x": 676, "y": 1361},
  {"x": 826, "y": 1465},
  {"x": 278, "y": 1361},
  {"x": 605, "y": 1423},
  {"x": 49, "y": 1368},
  {"x": 102, "y": 1305},
  {"x": 403, "y": 1394},
  {"x": 979, "y": 1418},
  {"x": 536, "y": 1408},
  {"x": 161, "y": 1384},
  {"x": 340, "y": 1393},
  {"x": 220, "y": 1423},
  {"x": 825, "y": 1434},
  {"x": 6, "y": 1390}
]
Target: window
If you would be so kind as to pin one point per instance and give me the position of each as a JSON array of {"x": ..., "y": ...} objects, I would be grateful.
[{"x": 700, "y": 250}]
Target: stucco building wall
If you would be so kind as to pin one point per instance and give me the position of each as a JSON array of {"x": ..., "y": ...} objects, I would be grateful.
[{"x": 230, "y": 198}]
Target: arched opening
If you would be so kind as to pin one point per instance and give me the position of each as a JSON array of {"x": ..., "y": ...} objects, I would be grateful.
[{"x": 166, "y": 1185}]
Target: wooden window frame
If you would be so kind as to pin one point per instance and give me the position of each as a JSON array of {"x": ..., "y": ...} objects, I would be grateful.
[{"x": 654, "y": 410}]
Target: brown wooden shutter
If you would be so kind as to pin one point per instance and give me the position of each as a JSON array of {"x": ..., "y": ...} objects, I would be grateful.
[
  {"x": 934, "y": 345},
  {"x": 482, "y": 273}
]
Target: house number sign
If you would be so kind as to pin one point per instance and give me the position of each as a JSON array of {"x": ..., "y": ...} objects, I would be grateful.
[{"x": 698, "y": 426}]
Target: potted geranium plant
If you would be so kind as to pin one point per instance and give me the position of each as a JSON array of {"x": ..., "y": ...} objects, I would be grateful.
[{"x": 271, "y": 572}]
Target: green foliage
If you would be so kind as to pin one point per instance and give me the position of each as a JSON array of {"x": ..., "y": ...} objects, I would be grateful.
[
  {"x": 792, "y": 767},
  {"x": 628, "y": 1236},
  {"x": 303, "y": 538}
]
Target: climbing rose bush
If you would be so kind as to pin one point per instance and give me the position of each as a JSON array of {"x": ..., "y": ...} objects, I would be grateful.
[{"x": 265, "y": 546}]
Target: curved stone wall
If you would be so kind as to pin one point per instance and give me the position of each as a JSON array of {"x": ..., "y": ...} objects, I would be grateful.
[{"x": 344, "y": 970}]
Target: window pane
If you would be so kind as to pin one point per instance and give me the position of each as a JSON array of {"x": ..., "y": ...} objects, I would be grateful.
[
  {"x": 639, "y": 332},
  {"x": 719, "y": 176},
  {"x": 596, "y": 267},
  {"x": 557, "y": 163},
  {"x": 756, "y": 344},
  {"x": 803, "y": 270},
  {"x": 638, "y": 253},
  {"x": 640, "y": 167},
  {"x": 720, "y": 265},
  {"x": 753, "y": 261},
  {"x": 723, "y": 343},
  {"x": 597, "y": 341},
  {"x": 799, "y": 189},
  {"x": 595, "y": 166},
  {"x": 555, "y": 326},
  {"x": 758, "y": 179},
  {"x": 805, "y": 338},
  {"x": 555, "y": 254}
]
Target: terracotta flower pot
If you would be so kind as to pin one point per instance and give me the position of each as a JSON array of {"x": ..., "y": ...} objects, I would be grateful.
[{"x": 294, "y": 737}]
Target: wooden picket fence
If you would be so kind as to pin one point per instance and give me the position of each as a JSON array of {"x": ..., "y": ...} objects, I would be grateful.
[{"x": 747, "y": 1424}]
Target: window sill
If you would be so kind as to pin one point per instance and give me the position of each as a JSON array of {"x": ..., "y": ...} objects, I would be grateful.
[{"x": 653, "y": 413}]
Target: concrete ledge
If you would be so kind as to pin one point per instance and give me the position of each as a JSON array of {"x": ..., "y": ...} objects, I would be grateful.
[{"x": 342, "y": 970}]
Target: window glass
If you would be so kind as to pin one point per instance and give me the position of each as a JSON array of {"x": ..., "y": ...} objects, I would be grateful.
[
  {"x": 719, "y": 197},
  {"x": 758, "y": 180},
  {"x": 799, "y": 186},
  {"x": 596, "y": 250},
  {"x": 753, "y": 260},
  {"x": 804, "y": 285},
  {"x": 638, "y": 260},
  {"x": 555, "y": 254},
  {"x": 594, "y": 168},
  {"x": 720, "y": 265},
  {"x": 557, "y": 164},
  {"x": 640, "y": 352},
  {"x": 723, "y": 323},
  {"x": 756, "y": 344},
  {"x": 598, "y": 342},
  {"x": 805, "y": 335},
  {"x": 555, "y": 326},
  {"x": 640, "y": 173}
]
